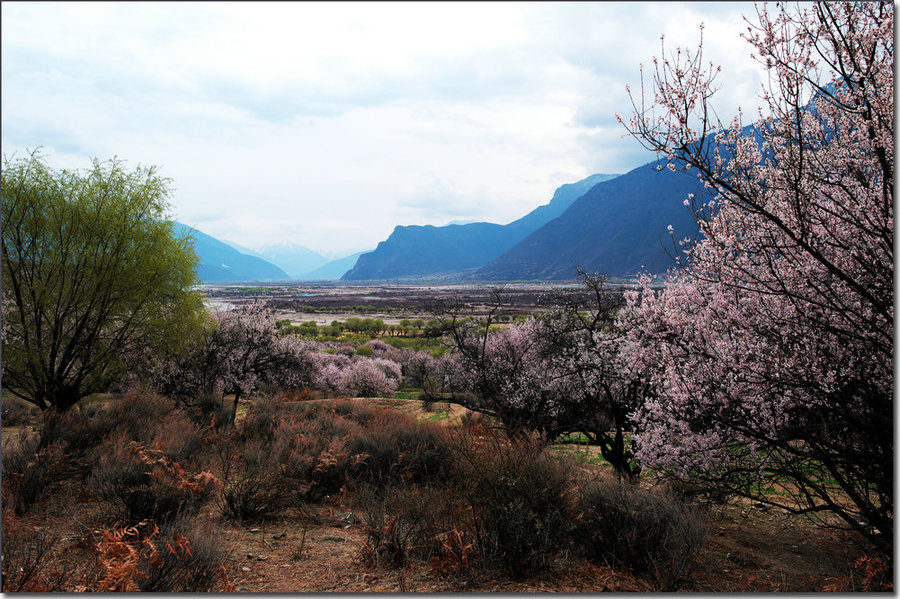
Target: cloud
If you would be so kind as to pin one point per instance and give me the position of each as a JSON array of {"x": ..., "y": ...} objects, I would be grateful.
[{"x": 328, "y": 124}]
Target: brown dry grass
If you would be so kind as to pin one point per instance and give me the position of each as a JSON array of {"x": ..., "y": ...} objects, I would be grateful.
[{"x": 747, "y": 549}]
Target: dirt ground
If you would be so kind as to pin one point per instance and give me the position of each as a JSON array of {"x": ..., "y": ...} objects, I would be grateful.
[{"x": 745, "y": 550}]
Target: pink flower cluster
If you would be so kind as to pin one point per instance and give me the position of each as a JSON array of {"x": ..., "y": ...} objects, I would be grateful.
[{"x": 774, "y": 345}]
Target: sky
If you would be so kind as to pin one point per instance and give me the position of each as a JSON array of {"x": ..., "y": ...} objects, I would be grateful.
[{"x": 326, "y": 125}]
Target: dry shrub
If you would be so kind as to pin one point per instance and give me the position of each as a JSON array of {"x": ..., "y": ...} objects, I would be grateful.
[
  {"x": 292, "y": 459},
  {"x": 252, "y": 497},
  {"x": 253, "y": 487},
  {"x": 473, "y": 420},
  {"x": 139, "y": 412},
  {"x": 453, "y": 554},
  {"x": 355, "y": 411},
  {"x": 261, "y": 418},
  {"x": 30, "y": 469},
  {"x": 646, "y": 532},
  {"x": 139, "y": 416},
  {"x": 176, "y": 436},
  {"x": 497, "y": 504},
  {"x": 405, "y": 522},
  {"x": 209, "y": 410},
  {"x": 31, "y": 559},
  {"x": 293, "y": 452},
  {"x": 870, "y": 573},
  {"x": 388, "y": 542},
  {"x": 18, "y": 412},
  {"x": 401, "y": 450},
  {"x": 139, "y": 558},
  {"x": 333, "y": 468},
  {"x": 78, "y": 431},
  {"x": 522, "y": 503},
  {"x": 173, "y": 570},
  {"x": 143, "y": 484}
]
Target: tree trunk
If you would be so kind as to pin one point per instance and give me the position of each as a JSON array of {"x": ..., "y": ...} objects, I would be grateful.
[{"x": 234, "y": 406}]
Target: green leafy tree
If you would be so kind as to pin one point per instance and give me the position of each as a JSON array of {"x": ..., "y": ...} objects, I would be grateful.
[{"x": 92, "y": 275}]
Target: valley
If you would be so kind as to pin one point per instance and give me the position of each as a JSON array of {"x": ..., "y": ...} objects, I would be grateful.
[{"x": 323, "y": 302}]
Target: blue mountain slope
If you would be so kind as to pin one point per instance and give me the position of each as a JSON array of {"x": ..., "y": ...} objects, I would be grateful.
[
  {"x": 618, "y": 228},
  {"x": 294, "y": 259},
  {"x": 332, "y": 270},
  {"x": 422, "y": 250},
  {"x": 220, "y": 263}
]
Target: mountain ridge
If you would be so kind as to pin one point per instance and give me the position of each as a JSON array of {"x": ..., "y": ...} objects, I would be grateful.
[
  {"x": 421, "y": 250},
  {"x": 219, "y": 262},
  {"x": 618, "y": 228}
]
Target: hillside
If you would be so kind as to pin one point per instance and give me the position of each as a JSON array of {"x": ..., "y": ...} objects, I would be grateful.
[
  {"x": 618, "y": 228},
  {"x": 332, "y": 270},
  {"x": 421, "y": 250},
  {"x": 292, "y": 258},
  {"x": 220, "y": 263}
]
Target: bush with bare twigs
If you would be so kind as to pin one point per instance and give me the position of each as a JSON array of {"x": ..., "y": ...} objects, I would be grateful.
[
  {"x": 646, "y": 532},
  {"x": 31, "y": 559}
]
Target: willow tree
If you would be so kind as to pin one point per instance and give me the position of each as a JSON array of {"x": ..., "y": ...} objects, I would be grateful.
[{"x": 92, "y": 274}]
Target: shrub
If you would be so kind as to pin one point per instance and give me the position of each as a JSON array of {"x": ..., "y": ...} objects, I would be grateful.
[
  {"x": 140, "y": 484},
  {"x": 403, "y": 522},
  {"x": 364, "y": 350},
  {"x": 29, "y": 469},
  {"x": 31, "y": 560},
  {"x": 262, "y": 418},
  {"x": 354, "y": 411},
  {"x": 189, "y": 560},
  {"x": 641, "y": 530},
  {"x": 137, "y": 415},
  {"x": 18, "y": 412},
  {"x": 401, "y": 449},
  {"x": 177, "y": 437},
  {"x": 139, "y": 558},
  {"x": 522, "y": 503},
  {"x": 78, "y": 431},
  {"x": 303, "y": 458},
  {"x": 210, "y": 410},
  {"x": 251, "y": 497},
  {"x": 139, "y": 412},
  {"x": 253, "y": 486}
]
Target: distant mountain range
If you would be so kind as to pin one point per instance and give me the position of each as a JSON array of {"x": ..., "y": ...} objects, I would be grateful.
[
  {"x": 334, "y": 269},
  {"x": 426, "y": 250},
  {"x": 616, "y": 225},
  {"x": 618, "y": 228},
  {"x": 294, "y": 259},
  {"x": 220, "y": 263},
  {"x": 223, "y": 261}
]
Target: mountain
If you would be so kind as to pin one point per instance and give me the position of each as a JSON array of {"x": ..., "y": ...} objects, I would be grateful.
[
  {"x": 422, "y": 250},
  {"x": 240, "y": 248},
  {"x": 618, "y": 228},
  {"x": 332, "y": 270},
  {"x": 294, "y": 259},
  {"x": 221, "y": 263}
]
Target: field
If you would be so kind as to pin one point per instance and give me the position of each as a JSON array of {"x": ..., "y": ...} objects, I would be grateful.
[
  {"x": 324, "y": 302},
  {"x": 313, "y": 492}
]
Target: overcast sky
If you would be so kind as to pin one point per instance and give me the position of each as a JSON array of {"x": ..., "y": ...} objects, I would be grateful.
[{"x": 328, "y": 124}]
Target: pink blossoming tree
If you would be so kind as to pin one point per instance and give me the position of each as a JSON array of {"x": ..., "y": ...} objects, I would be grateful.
[
  {"x": 773, "y": 348},
  {"x": 562, "y": 373},
  {"x": 239, "y": 353}
]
